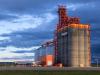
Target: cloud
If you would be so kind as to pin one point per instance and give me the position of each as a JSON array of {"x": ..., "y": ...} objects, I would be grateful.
[
  {"x": 27, "y": 30},
  {"x": 2, "y": 49},
  {"x": 4, "y": 38},
  {"x": 27, "y": 23},
  {"x": 12, "y": 53},
  {"x": 23, "y": 22},
  {"x": 81, "y": 2},
  {"x": 85, "y": 12},
  {"x": 26, "y": 38},
  {"x": 16, "y": 59},
  {"x": 23, "y": 51},
  {"x": 26, "y": 6},
  {"x": 12, "y": 48},
  {"x": 6, "y": 16}
]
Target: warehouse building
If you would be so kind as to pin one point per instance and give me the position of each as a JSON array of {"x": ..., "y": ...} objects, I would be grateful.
[{"x": 44, "y": 55}]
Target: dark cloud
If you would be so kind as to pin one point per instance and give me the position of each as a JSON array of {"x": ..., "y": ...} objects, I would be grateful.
[
  {"x": 39, "y": 7},
  {"x": 95, "y": 34},
  {"x": 88, "y": 13},
  {"x": 31, "y": 7},
  {"x": 5, "y": 16},
  {"x": 26, "y": 6},
  {"x": 29, "y": 37},
  {"x": 81, "y": 1},
  {"x": 26, "y": 38},
  {"x": 2, "y": 49},
  {"x": 96, "y": 48}
]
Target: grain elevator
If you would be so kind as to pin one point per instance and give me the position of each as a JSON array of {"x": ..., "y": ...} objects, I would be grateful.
[{"x": 72, "y": 41}]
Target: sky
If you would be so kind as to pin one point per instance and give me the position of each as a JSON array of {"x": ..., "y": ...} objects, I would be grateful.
[{"x": 25, "y": 24}]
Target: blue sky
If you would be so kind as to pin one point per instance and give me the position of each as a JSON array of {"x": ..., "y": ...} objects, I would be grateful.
[{"x": 25, "y": 24}]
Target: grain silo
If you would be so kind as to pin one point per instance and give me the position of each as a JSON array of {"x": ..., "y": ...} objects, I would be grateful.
[
  {"x": 44, "y": 55},
  {"x": 72, "y": 41}
]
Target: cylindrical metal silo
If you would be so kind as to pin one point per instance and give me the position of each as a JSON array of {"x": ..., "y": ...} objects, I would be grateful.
[
  {"x": 73, "y": 47},
  {"x": 87, "y": 48},
  {"x": 81, "y": 48}
]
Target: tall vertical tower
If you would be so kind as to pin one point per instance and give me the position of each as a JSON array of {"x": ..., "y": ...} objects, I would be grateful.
[{"x": 72, "y": 41}]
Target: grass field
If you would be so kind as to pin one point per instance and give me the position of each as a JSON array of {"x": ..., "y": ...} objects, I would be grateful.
[{"x": 49, "y": 73}]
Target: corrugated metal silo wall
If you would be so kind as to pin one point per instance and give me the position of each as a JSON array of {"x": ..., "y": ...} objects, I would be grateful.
[
  {"x": 74, "y": 47},
  {"x": 44, "y": 52},
  {"x": 62, "y": 47},
  {"x": 81, "y": 48},
  {"x": 87, "y": 48}
]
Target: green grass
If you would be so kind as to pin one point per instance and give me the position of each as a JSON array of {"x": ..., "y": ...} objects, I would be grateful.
[{"x": 49, "y": 73}]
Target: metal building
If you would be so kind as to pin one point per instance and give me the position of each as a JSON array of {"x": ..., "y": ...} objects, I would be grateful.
[
  {"x": 45, "y": 54},
  {"x": 72, "y": 41}
]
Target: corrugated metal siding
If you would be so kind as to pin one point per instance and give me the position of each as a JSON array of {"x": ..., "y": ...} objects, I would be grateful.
[
  {"x": 73, "y": 48},
  {"x": 42, "y": 53}
]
